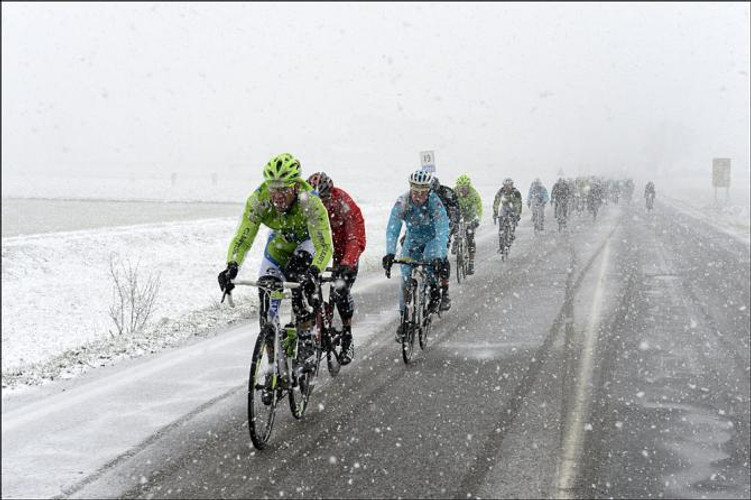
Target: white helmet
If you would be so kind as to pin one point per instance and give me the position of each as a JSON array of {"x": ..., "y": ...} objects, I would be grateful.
[{"x": 421, "y": 178}]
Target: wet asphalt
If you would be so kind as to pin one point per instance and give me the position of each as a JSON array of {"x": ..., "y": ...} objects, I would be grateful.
[{"x": 607, "y": 360}]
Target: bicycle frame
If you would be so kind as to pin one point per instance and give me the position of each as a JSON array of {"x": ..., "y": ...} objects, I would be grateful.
[
  {"x": 282, "y": 365},
  {"x": 417, "y": 317}
]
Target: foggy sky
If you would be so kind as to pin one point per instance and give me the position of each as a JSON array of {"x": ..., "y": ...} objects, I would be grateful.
[{"x": 142, "y": 87}]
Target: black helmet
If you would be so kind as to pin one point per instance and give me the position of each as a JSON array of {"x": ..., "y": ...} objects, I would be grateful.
[{"x": 322, "y": 183}]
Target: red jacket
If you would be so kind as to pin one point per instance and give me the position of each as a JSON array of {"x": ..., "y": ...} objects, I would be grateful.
[{"x": 347, "y": 227}]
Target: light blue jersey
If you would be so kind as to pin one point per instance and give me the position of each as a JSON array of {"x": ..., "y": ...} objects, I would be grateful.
[
  {"x": 539, "y": 195},
  {"x": 427, "y": 228},
  {"x": 427, "y": 233}
]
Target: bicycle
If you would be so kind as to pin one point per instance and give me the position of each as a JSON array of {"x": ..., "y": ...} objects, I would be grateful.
[
  {"x": 275, "y": 370},
  {"x": 461, "y": 249},
  {"x": 506, "y": 219},
  {"x": 417, "y": 317}
]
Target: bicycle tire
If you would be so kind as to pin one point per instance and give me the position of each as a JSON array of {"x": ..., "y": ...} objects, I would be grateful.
[
  {"x": 425, "y": 330},
  {"x": 459, "y": 259},
  {"x": 408, "y": 332},
  {"x": 260, "y": 415},
  {"x": 465, "y": 261},
  {"x": 302, "y": 388}
]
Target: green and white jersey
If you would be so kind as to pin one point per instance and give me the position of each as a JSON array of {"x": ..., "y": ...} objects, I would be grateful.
[
  {"x": 470, "y": 206},
  {"x": 307, "y": 218}
]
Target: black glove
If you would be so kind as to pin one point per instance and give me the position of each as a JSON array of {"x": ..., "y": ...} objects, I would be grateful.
[
  {"x": 226, "y": 276},
  {"x": 437, "y": 264},
  {"x": 344, "y": 272},
  {"x": 388, "y": 261}
]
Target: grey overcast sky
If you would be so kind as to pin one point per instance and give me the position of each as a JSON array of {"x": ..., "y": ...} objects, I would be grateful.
[{"x": 142, "y": 87}]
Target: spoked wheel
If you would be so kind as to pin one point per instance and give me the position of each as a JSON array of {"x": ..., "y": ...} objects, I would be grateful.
[
  {"x": 561, "y": 224},
  {"x": 260, "y": 412},
  {"x": 408, "y": 339},
  {"x": 427, "y": 325},
  {"x": 465, "y": 262},
  {"x": 459, "y": 264},
  {"x": 302, "y": 388}
]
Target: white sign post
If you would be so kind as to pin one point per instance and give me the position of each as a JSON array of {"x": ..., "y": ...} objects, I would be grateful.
[
  {"x": 427, "y": 160},
  {"x": 721, "y": 176}
]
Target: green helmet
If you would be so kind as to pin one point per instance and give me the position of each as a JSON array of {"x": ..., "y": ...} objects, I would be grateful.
[
  {"x": 283, "y": 168},
  {"x": 463, "y": 180}
]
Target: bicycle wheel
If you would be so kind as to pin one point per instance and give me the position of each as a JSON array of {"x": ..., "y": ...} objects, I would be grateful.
[
  {"x": 408, "y": 330},
  {"x": 459, "y": 263},
  {"x": 506, "y": 241},
  {"x": 302, "y": 385},
  {"x": 465, "y": 260},
  {"x": 427, "y": 325},
  {"x": 260, "y": 414}
]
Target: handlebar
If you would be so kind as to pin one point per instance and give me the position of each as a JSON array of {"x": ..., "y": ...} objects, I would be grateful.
[
  {"x": 270, "y": 285},
  {"x": 411, "y": 262},
  {"x": 287, "y": 285}
]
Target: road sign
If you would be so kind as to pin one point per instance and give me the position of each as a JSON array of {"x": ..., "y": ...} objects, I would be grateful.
[
  {"x": 427, "y": 160},
  {"x": 721, "y": 172}
]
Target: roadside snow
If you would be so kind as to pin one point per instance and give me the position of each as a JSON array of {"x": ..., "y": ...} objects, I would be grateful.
[{"x": 57, "y": 290}]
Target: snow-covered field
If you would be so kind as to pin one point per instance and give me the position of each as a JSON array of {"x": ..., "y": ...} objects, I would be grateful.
[{"x": 57, "y": 289}]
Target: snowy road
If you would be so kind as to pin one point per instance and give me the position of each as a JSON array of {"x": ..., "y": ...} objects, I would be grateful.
[{"x": 609, "y": 362}]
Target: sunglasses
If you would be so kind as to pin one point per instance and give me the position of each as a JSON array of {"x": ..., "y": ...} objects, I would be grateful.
[
  {"x": 280, "y": 189},
  {"x": 419, "y": 189}
]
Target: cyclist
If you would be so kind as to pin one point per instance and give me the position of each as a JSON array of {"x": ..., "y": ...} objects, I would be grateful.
[
  {"x": 628, "y": 189},
  {"x": 298, "y": 246},
  {"x": 451, "y": 204},
  {"x": 559, "y": 196},
  {"x": 538, "y": 194},
  {"x": 595, "y": 195},
  {"x": 649, "y": 193},
  {"x": 508, "y": 190},
  {"x": 348, "y": 235},
  {"x": 427, "y": 223},
  {"x": 470, "y": 209}
]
